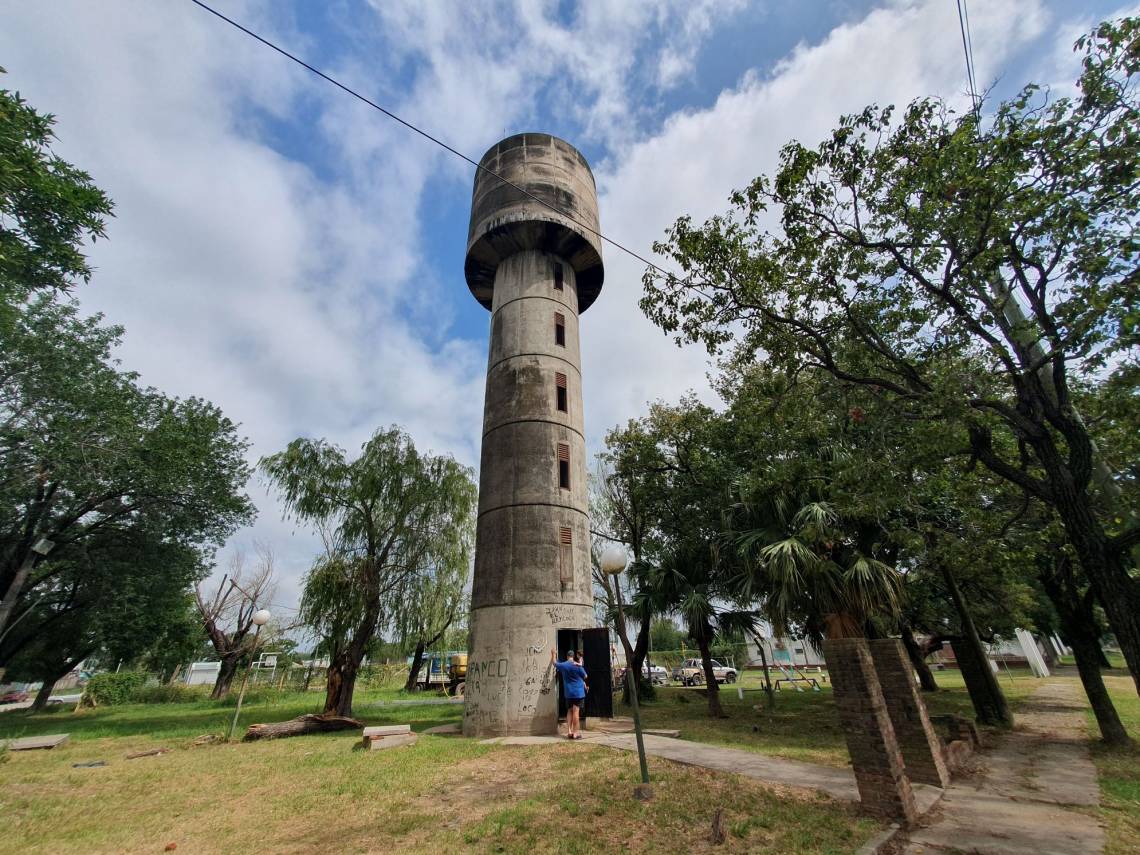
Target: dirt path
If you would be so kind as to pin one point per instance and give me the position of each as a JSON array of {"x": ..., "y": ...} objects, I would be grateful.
[{"x": 1027, "y": 800}]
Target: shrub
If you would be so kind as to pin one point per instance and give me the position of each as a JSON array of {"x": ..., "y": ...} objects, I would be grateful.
[
  {"x": 174, "y": 693},
  {"x": 111, "y": 689}
]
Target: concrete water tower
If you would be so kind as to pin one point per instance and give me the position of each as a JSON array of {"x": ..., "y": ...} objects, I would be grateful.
[{"x": 536, "y": 270}]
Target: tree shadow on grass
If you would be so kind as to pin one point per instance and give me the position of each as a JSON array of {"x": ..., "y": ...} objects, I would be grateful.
[{"x": 174, "y": 721}]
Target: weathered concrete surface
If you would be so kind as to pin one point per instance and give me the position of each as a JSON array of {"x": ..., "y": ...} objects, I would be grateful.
[
  {"x": 32, "y": 743},
  {"x": 535, "y": 269},
  {"x": 837, "y": 783},
  {"x": 386, "y": 730},
  {"x": 449, "y": 729},
  {"x": 505, "y": 221},
  {"x": 511, "y": 686},
  {"x": 1027, "y": 799},
  {"x": 382, "y": 743}
]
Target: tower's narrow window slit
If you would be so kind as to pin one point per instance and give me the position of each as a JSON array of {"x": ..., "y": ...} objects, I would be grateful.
[
  {"x": 565, "y": 556},
  {"x": 560, "y": 392},
  {"x": 564, "y": 466},
  {"x": 560, "y": 329}
]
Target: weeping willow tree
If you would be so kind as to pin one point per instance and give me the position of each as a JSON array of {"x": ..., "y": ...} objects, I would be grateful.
[
  {"x": 431, "y": 601},
  {"x": 385, "y": 516}
]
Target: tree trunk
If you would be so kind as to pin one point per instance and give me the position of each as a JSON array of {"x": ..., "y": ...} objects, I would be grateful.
[
  {"x": 1101, "y": 659},
  {"x": 15, "y": 587},
  {"x": 1108, "y": 575},
  {"x": 645, "y": 689},
  {"x": 414, "y": 671},
  {"x": 300, "y": 726},
  {"x": 229, "y": 667},
  {"x": 986, "y": 695},
  {"x": 767, "y": 677},
  {"x": 917, "y": 660},
  {"x": 1111, "y": 729},
  {"x": 43, "y": 694},
  {"x": 341, "y": 684},
  {"x": 711, "y": 685},
  {"x": 1079, "y": 624}
]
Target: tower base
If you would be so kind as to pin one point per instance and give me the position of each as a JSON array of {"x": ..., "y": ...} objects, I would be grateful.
[{"x": 512, "y": 688}]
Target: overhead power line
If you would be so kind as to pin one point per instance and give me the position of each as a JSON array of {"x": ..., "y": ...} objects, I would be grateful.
[
  {"x": 428, "y": 136},
  {"x": 968, "y": 51}
]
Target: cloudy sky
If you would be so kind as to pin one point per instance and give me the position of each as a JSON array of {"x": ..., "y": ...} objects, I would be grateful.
[{"x": 297, "y": 258}]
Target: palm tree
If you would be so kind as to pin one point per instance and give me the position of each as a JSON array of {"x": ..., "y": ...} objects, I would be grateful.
[
  {"x": 694, "y": 582},
  {"x": 811, "y": 566}
]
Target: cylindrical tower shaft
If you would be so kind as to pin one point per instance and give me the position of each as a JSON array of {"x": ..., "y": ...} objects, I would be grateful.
[{"x": 534, "y": 269}]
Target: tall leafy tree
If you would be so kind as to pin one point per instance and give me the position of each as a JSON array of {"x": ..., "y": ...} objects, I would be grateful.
[
  {"x": 845, "y": 509},
  {"x": 386, "y": 516},
  {"x": 113, "y": 596},
  {"x": 48, "y": 208},
  {"x": 911, "y": 250},
  {"x": 87, "y": 452},
  {"x": 128, "y": 487},
  {"x": 624, "y": 500},
  {"x": 430, "y": 602},
  {"x": 682, "y": 465}
]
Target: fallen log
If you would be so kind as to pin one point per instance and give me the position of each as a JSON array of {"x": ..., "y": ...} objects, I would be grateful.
[{"x": 301, "y": 725}]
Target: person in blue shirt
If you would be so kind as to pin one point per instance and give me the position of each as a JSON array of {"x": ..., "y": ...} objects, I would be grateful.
[{"x": 573, "y": 689}]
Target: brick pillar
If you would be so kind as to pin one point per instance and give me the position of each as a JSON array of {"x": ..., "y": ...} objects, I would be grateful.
[
  {"x": 921, "y": 748},
  {"x": 884, "y": 789}
]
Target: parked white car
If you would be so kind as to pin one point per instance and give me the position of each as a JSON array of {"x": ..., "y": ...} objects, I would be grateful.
[{"x": 691, "y": 672}]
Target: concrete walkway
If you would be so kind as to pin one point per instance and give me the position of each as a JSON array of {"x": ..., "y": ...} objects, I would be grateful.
[
  {"x": 839, "y": 783},
  {"x": 1027, "y": 799}
]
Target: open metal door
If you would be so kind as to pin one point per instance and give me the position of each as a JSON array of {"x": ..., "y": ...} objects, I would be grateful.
[{"x": 596, "y": 660}]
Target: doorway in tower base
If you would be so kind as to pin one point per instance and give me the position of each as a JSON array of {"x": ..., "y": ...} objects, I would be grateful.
[{"x": 594, "y": 643}]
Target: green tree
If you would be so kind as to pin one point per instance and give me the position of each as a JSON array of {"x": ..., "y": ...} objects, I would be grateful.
[
  {"x": 430, "y": 601},
  {"x": 87, "y": 452},
  {"x": 113, "y": 596},
  {"x": 686, "y": 467},
  {"x": 624, "y": 498},
  {"x": 48, "y": 208},
  {"x": 911, "y": 252},
  {"x": 386, "y": 516},
  {"x": 840, "y": 502},
  {"x": 664, "y": 635}
]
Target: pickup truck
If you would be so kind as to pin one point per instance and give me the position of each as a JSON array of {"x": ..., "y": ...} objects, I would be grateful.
[
  {"x": 655, "y": 674},
  {"x": 691, "y": 672}
]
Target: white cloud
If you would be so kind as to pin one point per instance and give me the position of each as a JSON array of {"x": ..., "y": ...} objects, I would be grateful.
[
  {"x": 302, "y": 300},
  {"x": 892, "y": 55}
]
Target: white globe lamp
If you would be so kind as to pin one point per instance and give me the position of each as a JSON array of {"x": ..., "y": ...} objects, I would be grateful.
[{"x": 614, "y": 559}]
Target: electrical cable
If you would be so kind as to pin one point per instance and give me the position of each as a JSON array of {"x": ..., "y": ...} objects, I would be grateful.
[
  {"x": 428, "y": 136},
  {"x": 968, "y": 52}
]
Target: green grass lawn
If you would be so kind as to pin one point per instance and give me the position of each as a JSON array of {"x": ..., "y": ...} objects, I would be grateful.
[
  {"x": 1118, "y": 771},
  {"x": 316, "y": 793},
  {"x": 800, "y": 725}
]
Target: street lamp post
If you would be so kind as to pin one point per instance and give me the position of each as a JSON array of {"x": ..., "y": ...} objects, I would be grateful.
[
  {"x": 260, "y": 618},
  {"x": 613, "y": 562}
]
